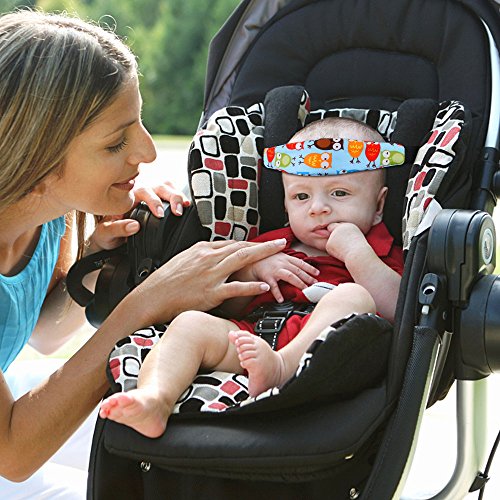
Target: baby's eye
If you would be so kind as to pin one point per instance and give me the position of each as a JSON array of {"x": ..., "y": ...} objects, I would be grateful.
[
  {"x": 301, "y": 196},
  {"x": 339, "y": 193}
]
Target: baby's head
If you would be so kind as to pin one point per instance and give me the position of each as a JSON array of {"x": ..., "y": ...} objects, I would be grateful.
[{"x": 316, "y": 201}]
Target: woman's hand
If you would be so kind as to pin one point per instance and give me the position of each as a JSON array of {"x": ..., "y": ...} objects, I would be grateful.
[
  {"x": 112, "y": 230},
  {"x": 153, "y": 196},
  {"x": 196, "y": 279},
  {"x": 280, "y": 267}
]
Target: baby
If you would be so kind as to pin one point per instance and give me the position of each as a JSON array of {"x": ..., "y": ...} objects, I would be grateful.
[{"x": 336, "y": 235}]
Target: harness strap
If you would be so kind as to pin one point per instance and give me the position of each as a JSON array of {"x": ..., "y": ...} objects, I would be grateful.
[{"x": 271, "y": 318}]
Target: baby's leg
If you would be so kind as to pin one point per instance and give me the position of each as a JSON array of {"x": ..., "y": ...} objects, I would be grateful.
[
  {"x": 343, "y": 300},
  {"x": 194, "y": 340},
  {"x": 265, "y": 367}
]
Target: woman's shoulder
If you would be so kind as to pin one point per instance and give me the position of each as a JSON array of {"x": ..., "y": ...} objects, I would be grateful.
[{"x": 57, "y": 226}]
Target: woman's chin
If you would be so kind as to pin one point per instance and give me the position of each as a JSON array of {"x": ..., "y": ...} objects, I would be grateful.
[{"x": 118, "y": 205}]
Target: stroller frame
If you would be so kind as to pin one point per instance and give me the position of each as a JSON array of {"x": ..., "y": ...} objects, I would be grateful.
[
  {"x": 471, "y": 408},
  {"x": 423, "y": 375}
]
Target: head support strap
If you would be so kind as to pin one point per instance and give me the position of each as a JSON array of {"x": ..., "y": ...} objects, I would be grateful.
[{"x": 333, "y": 156}]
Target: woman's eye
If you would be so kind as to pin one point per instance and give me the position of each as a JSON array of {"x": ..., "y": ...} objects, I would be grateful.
[
  {"x": 117, "y": 147},
  {"x": 338, "y": 193}
]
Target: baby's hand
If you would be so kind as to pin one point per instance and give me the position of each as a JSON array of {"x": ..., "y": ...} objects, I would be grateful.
[
  {"x": 283, "y": 267},
  {"x": 153, "y": 196},
  {"x": 345, "y": 239}
]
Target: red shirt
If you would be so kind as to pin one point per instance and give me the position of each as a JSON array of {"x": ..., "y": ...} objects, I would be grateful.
[{"x": 332, "y": 270}]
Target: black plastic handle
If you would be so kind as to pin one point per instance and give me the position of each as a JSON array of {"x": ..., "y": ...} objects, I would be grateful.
[{"x": 93, "y": 262}]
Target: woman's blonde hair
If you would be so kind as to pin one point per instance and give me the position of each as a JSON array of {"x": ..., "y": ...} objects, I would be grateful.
[{"x": 57, "y": 75}]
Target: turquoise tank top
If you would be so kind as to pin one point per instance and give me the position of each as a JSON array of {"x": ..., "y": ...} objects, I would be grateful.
[{"x": 22, "y": 295}]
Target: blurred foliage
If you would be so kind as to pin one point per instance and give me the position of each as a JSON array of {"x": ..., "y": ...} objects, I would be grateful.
[{"x": 171, "y": 40}]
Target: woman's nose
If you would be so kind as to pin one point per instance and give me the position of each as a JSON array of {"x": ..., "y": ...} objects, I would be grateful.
[{"x": 145, "y": 150}]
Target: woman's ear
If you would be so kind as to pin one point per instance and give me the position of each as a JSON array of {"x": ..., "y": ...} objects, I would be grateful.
[
  {"x": 379, "y": 212},
  {"x": 40, "y": 189}
]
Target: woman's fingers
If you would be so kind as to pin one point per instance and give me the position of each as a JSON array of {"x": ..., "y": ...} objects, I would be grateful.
[
  {"x": 177, "y": 199},
  {"x": 111, "y": 233},
  {"x": 153, "y": 196},
  {"x": 241, "y": 289},
  {"x": 152, "y": 200},
  {"x": 240, "y": 254}
]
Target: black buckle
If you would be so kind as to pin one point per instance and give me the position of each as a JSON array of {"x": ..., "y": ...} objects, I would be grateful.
[
  {"x": 270, "y": 326},
  {"x": 270, "y": 319}
]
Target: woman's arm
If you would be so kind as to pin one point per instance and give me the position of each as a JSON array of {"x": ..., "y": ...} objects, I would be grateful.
[{"x": 36, "y": 425}]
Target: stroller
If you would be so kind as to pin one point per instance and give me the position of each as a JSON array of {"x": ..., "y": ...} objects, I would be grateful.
[{"x": 426, "y": 74}]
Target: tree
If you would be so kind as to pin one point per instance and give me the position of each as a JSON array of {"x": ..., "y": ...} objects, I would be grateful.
[
  {"x": 8, "y": 5},
  {"x": 170, "y": 39},
  {"x": 175, "y": 66}
]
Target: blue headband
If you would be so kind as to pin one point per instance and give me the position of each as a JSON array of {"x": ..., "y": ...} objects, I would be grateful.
[{"x": 333, "y": 156}]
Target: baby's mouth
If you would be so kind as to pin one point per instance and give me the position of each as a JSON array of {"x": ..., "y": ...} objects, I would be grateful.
[{"x": 322, "y": 231}]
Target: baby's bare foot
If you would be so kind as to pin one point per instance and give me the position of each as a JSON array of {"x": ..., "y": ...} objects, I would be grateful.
[
  {"x": 138, "y": 409},
  {"x": 264, "y": 366}
]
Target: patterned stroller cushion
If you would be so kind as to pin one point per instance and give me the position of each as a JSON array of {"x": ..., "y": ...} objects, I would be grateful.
[{"x": 346, "y": 358}]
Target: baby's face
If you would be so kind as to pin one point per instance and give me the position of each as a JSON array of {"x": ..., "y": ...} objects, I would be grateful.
[{"x": 314, "y": 202}]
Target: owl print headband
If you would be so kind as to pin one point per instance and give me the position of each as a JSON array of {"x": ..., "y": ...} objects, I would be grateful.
[{"x": 333, "y": 156}]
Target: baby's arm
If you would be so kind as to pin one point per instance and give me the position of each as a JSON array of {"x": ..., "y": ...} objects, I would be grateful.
[
  {"x": 272, "y": 270},
  {"x": 348, "y": 243}
]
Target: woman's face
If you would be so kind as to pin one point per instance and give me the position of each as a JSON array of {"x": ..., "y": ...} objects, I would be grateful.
[{"x": 103, "y": 161}]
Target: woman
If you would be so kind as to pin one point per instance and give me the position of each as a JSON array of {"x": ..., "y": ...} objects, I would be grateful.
[{"x": 71, "y": 141}]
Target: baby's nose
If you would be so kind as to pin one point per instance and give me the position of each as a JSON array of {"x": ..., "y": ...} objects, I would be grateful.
[{"x": 319, "y": 206}]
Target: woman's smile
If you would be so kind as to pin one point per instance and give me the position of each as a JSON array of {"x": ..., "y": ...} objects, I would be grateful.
[{"x": 126, "y": 185}]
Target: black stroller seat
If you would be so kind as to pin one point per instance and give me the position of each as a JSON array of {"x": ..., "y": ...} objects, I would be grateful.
[{"x": 345, "y": 426}]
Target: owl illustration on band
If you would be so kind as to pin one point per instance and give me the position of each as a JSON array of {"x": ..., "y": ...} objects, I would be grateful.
[
  {"x": 317, "y": 160},
  {"x": 336, "y": 144},
  {"x": 392, "y": 158},
  {"x": 278, "y": 159},
  {"x": 295, "y": 146},
  {"x": 282, "y": 160},
  {"x": 355, "y": 148},
  {"x": 372, "y": 151}
]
